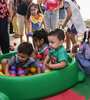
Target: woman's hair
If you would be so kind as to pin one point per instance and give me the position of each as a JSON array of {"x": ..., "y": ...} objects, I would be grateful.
[
  {"x": 86, "y": 36},
  {"x": 41, "y": 34},
  {"x": 59, "y": 33},
  {"x": 29, "y": 8},
  {"x": 25, "y": 48}
]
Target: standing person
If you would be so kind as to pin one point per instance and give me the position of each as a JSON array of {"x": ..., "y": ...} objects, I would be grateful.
[
  {"x": 35, "y": 19},
  {"x": 73, "y": 21},
  {"x": 57, "y": 56},
  {"x": 51, "y": 13},
  {"x": 22, "y": 6},
  {"x": 4, "y": 19}
]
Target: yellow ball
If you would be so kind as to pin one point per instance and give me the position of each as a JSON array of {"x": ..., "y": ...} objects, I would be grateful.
[
  {"x": 47, "y": 70},
  {"x": 0, "y": 67},
  {"x": 23, "y": 40},
  {"x": 1, "y": 73},
  {"x": 33, "y": 69}
]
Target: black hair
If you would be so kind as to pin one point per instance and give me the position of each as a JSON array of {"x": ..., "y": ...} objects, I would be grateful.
[
  {"x": 85, "y": 36},
  {"x": 25, "y": 48},
  {"x": 29, "y": 8},
  {"x": 41, "y": 34},
  {"x": 57, "y": 32}
]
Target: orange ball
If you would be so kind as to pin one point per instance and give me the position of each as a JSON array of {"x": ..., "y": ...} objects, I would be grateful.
[
  {"x": 51, "y": 8},
  {"x": 39, "y": 56}
]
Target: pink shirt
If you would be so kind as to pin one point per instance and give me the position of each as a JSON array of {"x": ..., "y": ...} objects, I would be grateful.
[{"x": 52, "y": 3}]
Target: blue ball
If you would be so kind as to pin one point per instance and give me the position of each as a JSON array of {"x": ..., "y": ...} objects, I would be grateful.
[
  {"x": 30, "y": 34},
  {"x": 40, "y": 65},
  {"x": 44, "y": 6},
  {"x": 20, "y": 72},
  {"x": 13, "y": 72},
  {"x": 13, "y": 68}
]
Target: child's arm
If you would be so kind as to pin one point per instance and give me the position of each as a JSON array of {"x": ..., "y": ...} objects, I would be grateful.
[
  {"x": 59, "y": 65},
  {"x": 30, "y": 26},
  {"x": 69, "y": 14},
  {"x": 44, "y": 24},
  {"x": 46, "y": 61},
  {"x": 5, "y": 67}
]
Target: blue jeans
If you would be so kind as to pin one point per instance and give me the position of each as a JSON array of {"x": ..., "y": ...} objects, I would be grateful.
[{"x": 51, "y": 19}]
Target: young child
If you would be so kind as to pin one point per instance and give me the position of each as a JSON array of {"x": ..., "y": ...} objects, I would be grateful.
[
  {"x": 35, "y": 18},
  {"x": 23, "y": 59},
  {"x": 57, "y": 56},
  {"x": 42, "y": 48},
  {"x": 73, "y": 21},
  {"x": 83, "y": 56}
]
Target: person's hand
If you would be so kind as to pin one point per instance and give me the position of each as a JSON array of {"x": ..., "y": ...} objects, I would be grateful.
[
  {"x": 7, "y": 74},
  {"x": 63, "y": 26}
]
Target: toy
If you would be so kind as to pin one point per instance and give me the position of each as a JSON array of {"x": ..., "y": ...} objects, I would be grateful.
[
  {"x": 51, "y": 9},
  {"x": 12, "y": 75},
  {"x": 23, "y": 40},
  {"x": 13, "y": 68},
  {"x": 22, "y": 75},
  {"x": 32, "y": 69},
  {"x": 30, "y": 34},
  {"x": 44, "y": 6},
  {"x": 13, "y": 72},
  {"x": 39, "y": 56},
  {"x": 14, "y": 43},
  {"x": 1, "y": 73},
  {"x": 0, "y": 67},
  {"x": 20, "y": 72},
  {"x": 40, "y": 65},
  {"x": 29, "y": 74},
  {"x": 20, "y": 68},
  {"x": 40, "y": 85}
]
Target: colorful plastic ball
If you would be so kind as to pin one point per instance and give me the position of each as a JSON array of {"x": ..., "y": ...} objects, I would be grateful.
[
  {"x": 29, "y": 74},
  {"x": 0, "y": 67},
  {"x": 14, "y": 43},
  {"x": 65, "y": 40},
  {"x": 79, "y": 40},
  {"x": 40, "y": 65},
  {"x": 20, "y": 72},
  {"x": 51, "y": 8},
  {"x": 23, "y": 40},
  {"x": 20, "y": 68},
  {"x": 22, "y": 75},
  {"x": 12, "y": 75},
  {"x": 26, "y": 30},
  {"x": 30, "y": 34},
  {"x": 34, "y": 73},
  {"x": 1, "y": 73},
  {"x": 39, "y": 56},
  {"x": 47, "y": 70},
  {"x": 13, "y": 72},
  {"x": 44, "y": 6},
  {"x": 33, "y": 69},
  {"x": 13, "y": 68}
]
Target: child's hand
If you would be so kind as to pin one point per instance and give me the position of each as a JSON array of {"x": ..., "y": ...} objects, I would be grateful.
[
  {"x": 7, "y": 74},
  {"x": 49, "y": 65}
]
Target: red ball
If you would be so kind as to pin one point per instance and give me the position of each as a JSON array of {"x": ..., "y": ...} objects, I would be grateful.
[
  {"x": 51, "y": 8},
  {"x": 14, "y": 44},
  {"x": 34, "y": 73},
  {"x": 12, "y": 75},
  {"x": 20, "y": 68},
  {"x": 39, "y": 56},
  {"x": 29, "y": 74},
  {"x": 22, "y": 75}
]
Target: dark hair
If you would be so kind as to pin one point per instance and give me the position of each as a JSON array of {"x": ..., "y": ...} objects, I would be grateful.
[
  {"x": 41, "y": 34},
  {"x": 57, "y": 32},
  {"x": 85, "y": 36},
  {"x": 29, "y": 8},
  {"x": 25, "y": 48}
]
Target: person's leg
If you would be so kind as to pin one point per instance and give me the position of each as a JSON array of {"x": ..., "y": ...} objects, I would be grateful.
[
  {"x": 54, "y": 19},
  {"x": 26, "y": 26},
  {"x": 47, "y": 15},
  {"x": 68, "y": 41},
  {"x": 4, "y": 36},
  {"x": 20, "y": 19}
]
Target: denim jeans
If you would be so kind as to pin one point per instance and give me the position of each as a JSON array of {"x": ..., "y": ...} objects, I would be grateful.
[{"x": 51, "y": 19}]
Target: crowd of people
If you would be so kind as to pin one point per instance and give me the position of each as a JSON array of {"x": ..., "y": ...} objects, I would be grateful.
[{"x": 47, "y": 48}]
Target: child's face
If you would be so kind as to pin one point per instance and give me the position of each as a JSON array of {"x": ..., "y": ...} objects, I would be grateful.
[
  {"x": 23, "y": 57},
  {"x": 54, "y": 42},
  {"x": 33, "y": 11}
]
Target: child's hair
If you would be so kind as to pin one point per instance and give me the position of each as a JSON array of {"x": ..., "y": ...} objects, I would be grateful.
[
  {"x": 41, "y": 34},
  {"x": 59, "y": 33},
  {"x": 86, "y": 36},
  {"x": 29, "y": 8},
  {"x": 25, "y": 48}
]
